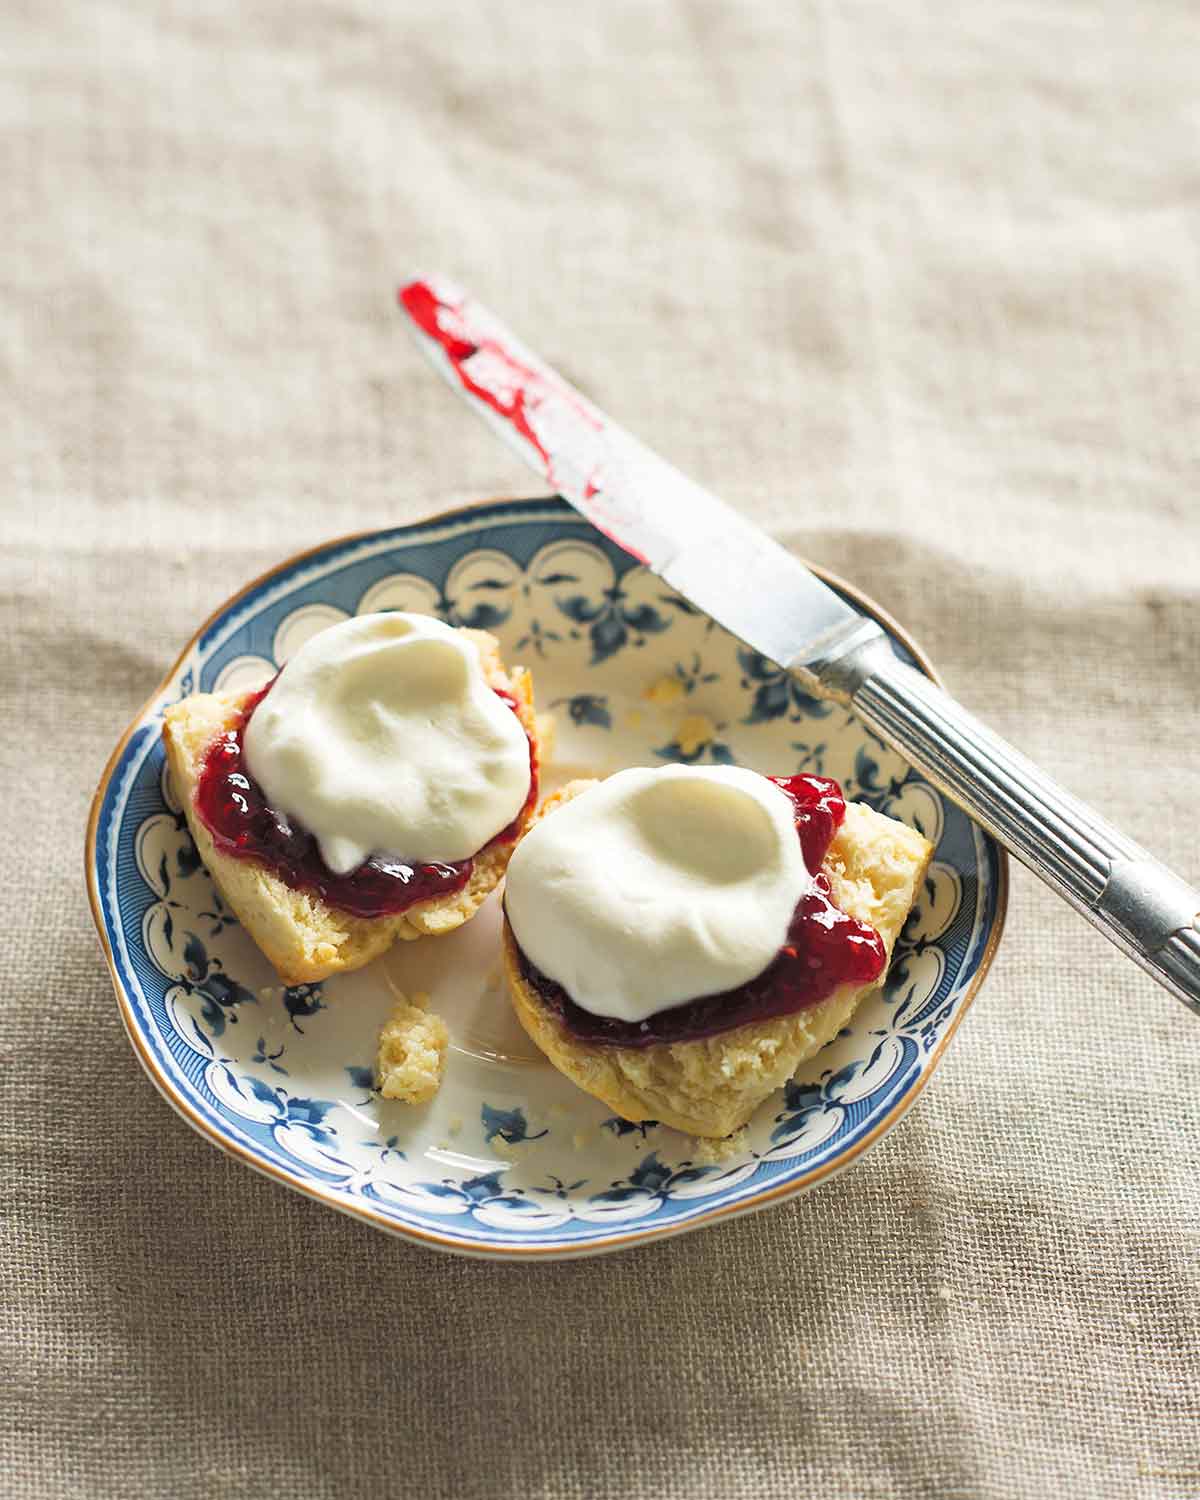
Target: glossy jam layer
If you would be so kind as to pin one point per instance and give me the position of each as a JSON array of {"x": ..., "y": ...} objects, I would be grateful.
[
  {"x": 825, "y": 948},
  {"x": 244, "y": 825}
]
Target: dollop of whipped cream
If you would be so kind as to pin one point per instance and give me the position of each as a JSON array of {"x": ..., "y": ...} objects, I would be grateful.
[
  {"x": 658, "y": 886},
  {"x": 382, "y": 736}
]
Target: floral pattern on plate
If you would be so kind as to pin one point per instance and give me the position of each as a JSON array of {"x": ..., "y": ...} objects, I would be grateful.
[{"x": 510, "y": 1158}]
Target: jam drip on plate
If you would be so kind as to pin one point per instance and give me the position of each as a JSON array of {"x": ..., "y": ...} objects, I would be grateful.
[
  {"x": 243, "y": 824},
  {"x": 825, "y": 948}
]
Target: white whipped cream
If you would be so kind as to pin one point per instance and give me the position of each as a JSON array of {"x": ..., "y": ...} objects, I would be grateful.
[
  {"x": 382, "y": 736},
  {"x": 658, "y": 886}
]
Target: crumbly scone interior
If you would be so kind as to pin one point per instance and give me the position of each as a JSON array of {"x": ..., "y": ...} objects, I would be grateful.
[
  {"x": 411, "y": 1055},
  {"x": 711, "y": 1087}
]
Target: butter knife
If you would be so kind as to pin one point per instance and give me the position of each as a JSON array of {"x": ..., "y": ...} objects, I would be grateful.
[{"x": 758, "y": 591}]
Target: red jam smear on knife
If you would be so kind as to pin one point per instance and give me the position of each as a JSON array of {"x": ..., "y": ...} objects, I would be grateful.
[
  {"x": 244, "y": 825},
  {"x": 491, "y": 372},
  {"x": 825, "y": 948},
  {"x": 440, "y": 320}
]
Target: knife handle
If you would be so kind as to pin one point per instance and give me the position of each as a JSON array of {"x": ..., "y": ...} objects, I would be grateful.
[{"x": 1148, "y": 912}]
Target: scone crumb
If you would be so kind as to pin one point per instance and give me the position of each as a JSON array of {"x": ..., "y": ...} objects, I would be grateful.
[
  {"x": 412, "y": 1052},
  {"x": 710, "y": 1153}
]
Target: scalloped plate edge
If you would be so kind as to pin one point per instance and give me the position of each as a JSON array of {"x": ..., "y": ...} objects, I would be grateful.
[{"x": 546, "y": 1250}]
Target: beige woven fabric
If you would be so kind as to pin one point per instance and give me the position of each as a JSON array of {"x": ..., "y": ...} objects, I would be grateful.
[{"x": 918, "y": 287}]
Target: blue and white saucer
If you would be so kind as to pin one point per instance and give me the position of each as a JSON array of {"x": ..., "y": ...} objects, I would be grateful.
[{"x": 510, "y": 1159}]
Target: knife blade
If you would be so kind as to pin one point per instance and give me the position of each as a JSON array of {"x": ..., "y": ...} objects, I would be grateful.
[
  {"x": 688, "y": 537},
  {"x": 714, "y": 557}
]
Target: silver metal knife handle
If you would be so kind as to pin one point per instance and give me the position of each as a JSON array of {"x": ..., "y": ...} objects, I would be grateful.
[{"x": 1148, "y": 912}]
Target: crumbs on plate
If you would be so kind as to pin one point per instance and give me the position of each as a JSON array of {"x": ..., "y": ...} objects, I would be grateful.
[
  {"x": 709, "y": 1153},
  {"x": 412, "y": 1052}
]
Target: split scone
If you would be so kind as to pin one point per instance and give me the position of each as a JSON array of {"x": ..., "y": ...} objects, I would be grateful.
[
  {"x": 374, "y": 790},
  {"x": 678, "y": 941}
]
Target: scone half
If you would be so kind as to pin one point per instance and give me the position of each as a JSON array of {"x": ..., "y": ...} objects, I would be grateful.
[
  {"x": 875, "y": 866},
  {"x": 305, "y": 938}
]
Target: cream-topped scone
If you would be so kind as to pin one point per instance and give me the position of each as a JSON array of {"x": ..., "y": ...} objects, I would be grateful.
[
  {"x": 384, "y": 733},
  {"x": 374, "y": 791},
  {"x": 659, "y": 886},
  {"x": 669, "y": 948}
]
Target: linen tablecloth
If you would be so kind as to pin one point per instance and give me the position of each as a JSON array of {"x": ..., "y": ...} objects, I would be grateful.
[{"x": 918, "y": 288}]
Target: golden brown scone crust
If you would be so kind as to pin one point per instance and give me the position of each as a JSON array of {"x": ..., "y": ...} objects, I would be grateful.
[
  {"x": 305, "y": 938},
  {"x": 875, "y": 866}
]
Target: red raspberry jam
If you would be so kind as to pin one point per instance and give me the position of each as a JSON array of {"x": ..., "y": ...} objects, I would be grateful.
[
  {"x": 243, "y": 824},
  {"x": 825, "y": 948}
]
